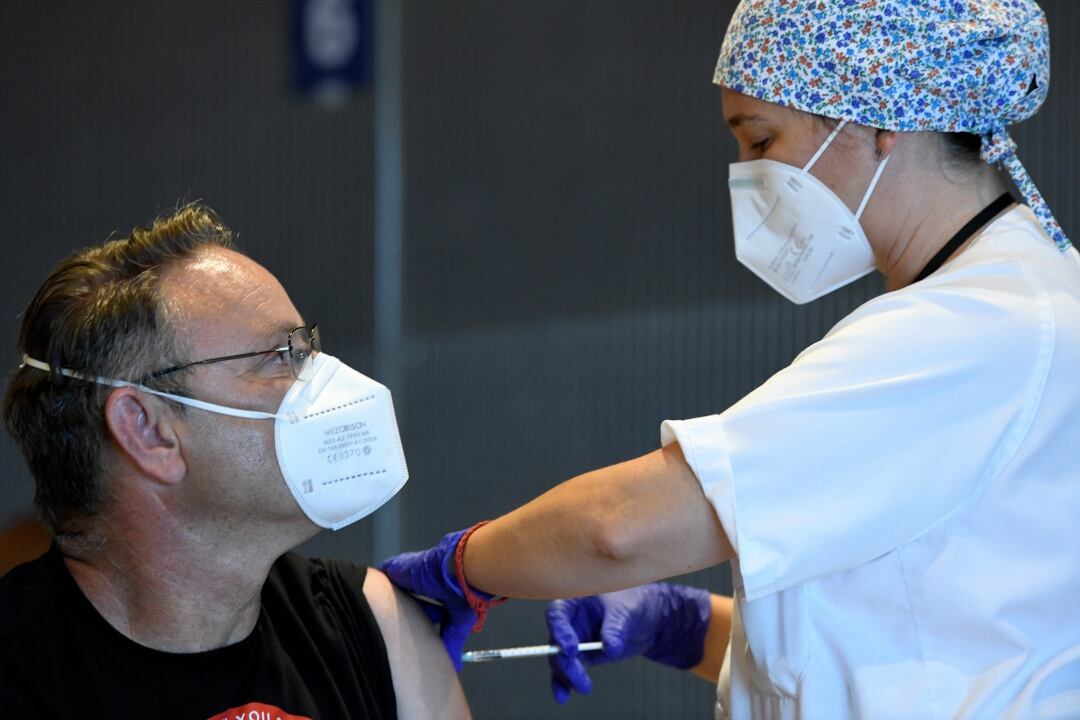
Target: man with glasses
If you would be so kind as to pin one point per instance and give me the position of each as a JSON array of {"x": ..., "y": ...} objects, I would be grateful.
[
  {"x": 150, "y": 366},
  {"x": 302, "y": 343}
]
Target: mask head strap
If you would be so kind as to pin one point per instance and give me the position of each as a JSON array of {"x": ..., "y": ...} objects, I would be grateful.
[
  {"x": 192, "y": 402},
  {"x": 824, "y": 146},
  {"x": 873, "y": 182}
]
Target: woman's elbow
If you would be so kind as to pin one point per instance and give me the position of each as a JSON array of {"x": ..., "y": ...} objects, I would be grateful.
[{"x": 615, "y": 539}]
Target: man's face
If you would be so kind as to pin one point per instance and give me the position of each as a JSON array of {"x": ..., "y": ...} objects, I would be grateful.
[{"x": 229, "y": 304}]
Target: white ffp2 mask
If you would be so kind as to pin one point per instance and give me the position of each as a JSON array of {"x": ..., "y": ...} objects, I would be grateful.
[
  {"x": 336, "y": 438},
  {"x": 793, "y": 232}
]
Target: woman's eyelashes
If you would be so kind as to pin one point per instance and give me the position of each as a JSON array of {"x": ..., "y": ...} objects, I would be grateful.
[{"x": 761, "y": 145}]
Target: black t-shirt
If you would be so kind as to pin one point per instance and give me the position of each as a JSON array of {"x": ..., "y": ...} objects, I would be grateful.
[{"x": 316, "y": 652}]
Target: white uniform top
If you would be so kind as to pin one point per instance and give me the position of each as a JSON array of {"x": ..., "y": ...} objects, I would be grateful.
[{"x": 904, "y": 501}]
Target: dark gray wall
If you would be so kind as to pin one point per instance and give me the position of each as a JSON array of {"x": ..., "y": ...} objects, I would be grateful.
[
  {"x": 569, "y": 271},
  {"x": 570, "y": 280}
]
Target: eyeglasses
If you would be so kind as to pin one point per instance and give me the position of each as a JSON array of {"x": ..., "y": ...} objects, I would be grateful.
[{"x": 302, "y": 345}]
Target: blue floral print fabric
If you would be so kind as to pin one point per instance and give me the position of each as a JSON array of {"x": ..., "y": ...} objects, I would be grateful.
[{"x": 972, "y": 66}]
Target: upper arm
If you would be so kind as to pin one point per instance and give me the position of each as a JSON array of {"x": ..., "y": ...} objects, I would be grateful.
[
  {"x": 425, "y": 683},
  {"x": 655, "y": 513}
]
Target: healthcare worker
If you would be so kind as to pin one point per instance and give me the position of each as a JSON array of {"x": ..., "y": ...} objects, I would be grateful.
[{"x": 900, "y": 504}]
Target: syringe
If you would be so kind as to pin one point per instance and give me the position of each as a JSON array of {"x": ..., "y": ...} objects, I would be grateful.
[{"x": 478, "y": 656}]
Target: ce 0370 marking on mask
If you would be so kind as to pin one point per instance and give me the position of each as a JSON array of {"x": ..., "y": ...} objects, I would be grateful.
[
  {"x": 335, "y": 434},
  {"x": 338, "y": 444}
]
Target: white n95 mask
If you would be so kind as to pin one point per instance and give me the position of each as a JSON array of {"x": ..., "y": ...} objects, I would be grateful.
[
  {"x": 336, "y": 437},
  {"x": 793, "y": 232},
  {"x": 338, "y": 444}
]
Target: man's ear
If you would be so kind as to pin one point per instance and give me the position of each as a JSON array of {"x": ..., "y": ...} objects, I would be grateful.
[{"x": 143, "y": 430}]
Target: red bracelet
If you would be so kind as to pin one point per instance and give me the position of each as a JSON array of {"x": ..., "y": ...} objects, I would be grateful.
[{"x": 477, "y": 603}]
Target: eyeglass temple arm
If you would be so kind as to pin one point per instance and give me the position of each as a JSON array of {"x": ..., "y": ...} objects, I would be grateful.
[{"x": 223, "y": 358}]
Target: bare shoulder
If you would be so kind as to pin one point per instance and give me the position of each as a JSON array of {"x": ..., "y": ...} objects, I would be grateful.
[{"x": 424, "y": 679}]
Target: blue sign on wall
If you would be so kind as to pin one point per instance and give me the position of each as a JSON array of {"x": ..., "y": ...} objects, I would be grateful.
[{"x": 333, "y": 45}]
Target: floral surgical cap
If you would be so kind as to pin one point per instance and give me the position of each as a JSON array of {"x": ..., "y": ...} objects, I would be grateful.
[{"x": 971, "y": 66}]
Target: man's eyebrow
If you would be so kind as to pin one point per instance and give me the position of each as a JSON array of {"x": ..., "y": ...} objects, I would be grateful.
[{"x": 738, "y": 119}]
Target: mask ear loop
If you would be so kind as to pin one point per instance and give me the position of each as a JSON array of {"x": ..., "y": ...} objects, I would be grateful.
[{"x": 192, "y": 402}]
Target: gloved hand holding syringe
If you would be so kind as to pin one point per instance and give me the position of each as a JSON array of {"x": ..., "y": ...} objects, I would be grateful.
[
  {"x": 513, "y": 653},
  {"x": 665, "y": 623}
]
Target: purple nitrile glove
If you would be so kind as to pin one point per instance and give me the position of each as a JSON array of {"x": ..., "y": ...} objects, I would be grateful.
[
  {"x": 433, "y": 574},
  {"x": 665, "y": 623}
]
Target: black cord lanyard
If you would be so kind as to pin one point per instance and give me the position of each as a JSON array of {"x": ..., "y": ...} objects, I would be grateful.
[{"x": 965, "y": 233}]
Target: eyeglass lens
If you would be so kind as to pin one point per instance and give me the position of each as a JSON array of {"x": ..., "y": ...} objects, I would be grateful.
[{"x": 303, "y": 343}]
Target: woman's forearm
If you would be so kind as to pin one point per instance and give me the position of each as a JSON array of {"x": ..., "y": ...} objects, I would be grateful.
[
  {"x": 716, "y": 640},
  {"x": 613, "y": 528}
]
